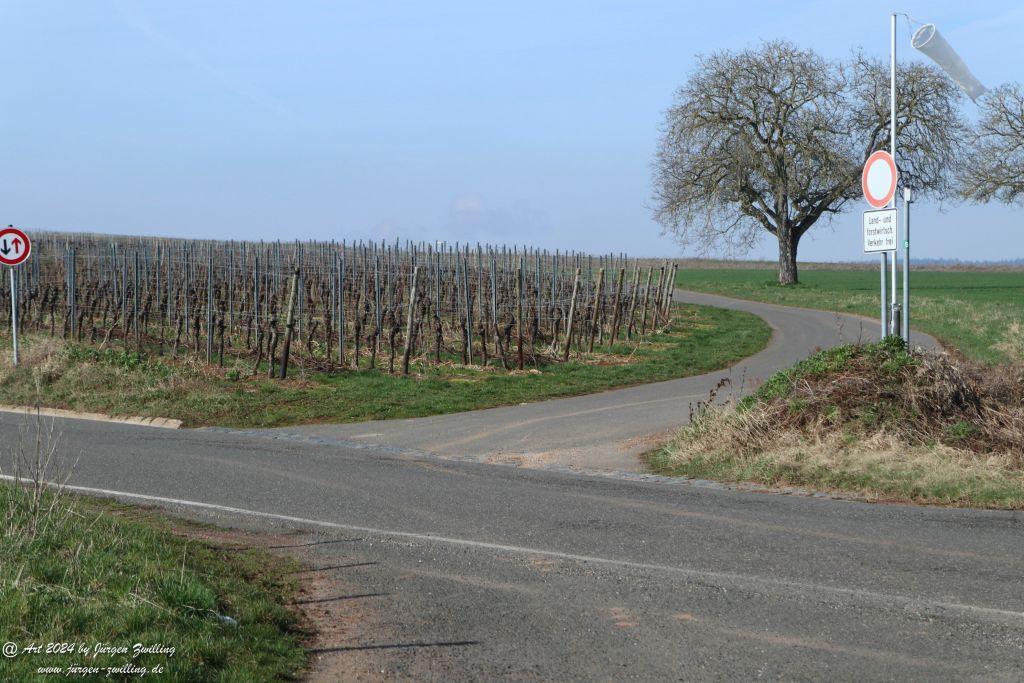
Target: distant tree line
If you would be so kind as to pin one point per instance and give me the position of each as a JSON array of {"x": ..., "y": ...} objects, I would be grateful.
[{"x": 774, "y": 139}]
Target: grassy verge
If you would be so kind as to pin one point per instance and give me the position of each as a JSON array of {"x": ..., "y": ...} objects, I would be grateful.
[
  {"x": 700, "y": 339},
  {"x": 875, "y": 420},
  {"x": 87, "y": 572},
  {"x": 980, "y": 313}
]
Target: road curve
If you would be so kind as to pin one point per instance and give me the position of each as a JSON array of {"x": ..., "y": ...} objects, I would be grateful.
[
  {"x": 606, "y": 431},
  {"x": 455, "y": 570}
]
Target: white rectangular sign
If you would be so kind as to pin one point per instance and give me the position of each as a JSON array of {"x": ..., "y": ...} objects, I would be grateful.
[{"x": 880, "y": 230}]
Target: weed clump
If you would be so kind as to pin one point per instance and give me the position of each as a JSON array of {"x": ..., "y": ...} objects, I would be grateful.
[
  {"x": 919, "y": 396},
  {"x": 872, "y": 418}
]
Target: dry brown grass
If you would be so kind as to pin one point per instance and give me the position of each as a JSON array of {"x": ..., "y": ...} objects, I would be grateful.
[
  {"x": 872, "y": 419},
  {"x": 920, "y": 398},
  {"x": 1012, "y": 343}
]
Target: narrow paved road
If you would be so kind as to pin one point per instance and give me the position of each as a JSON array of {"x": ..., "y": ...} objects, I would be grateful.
[
  {"x": 608, "y": 430},
  {"x": 452, "y": 570}
]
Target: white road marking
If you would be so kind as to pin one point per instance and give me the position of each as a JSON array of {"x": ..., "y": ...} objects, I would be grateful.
[{"x": 712, "y": 578}]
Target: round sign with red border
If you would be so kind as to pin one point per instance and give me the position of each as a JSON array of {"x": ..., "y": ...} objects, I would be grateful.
[
  {"x": 879, "y": 178},
  {"x": 15, "y": 246}
]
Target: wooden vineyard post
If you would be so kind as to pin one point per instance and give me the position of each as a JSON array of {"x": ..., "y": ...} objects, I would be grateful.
[
  {"x": 170, "y": 295},
  {"x": 494, "y": 315},
  {"x": 209, "y": 304},
  {"x": 135, "y": 304},
  {"x": 553, "y": 305},
  {"x": 409, "y": 321},
  {"x": 289, "y": 325},
  {"x": 220, "y": 331},
  {"x": 72, "y": 299},
  {"x": 669, "y": 290},
  {"x": 377, "y": 312},
  {"x": 360, "y": 316},
  {"x": 341, "y": 308},
  {"x": 124, "y": 297},
  {"x": 596, "y": 319},
  {"x": 572, "y": 314},
  {"x": 459, "y": 297},
  {"x": 160, "y": 298},
  {"x": 230, "y": 279},
  {"x": 469, "y": 309},
  {"x": 656, "y": 301},
  {"x": 538, "y": 302},
  {"x": 259, "y": 350},
  {"x": 632, "y": 302},
  {"x": 666, "y": 295},
  {"x": 647, "y": 292},
  {"x": 519, "y": 316},
  {"x": 256, "y": 304},
  {"x": 615, "y": 310},
  {"x": 437, "y": 307},
  {"x": 272, "y": 347},
  {"x": 177, "y": 335}
]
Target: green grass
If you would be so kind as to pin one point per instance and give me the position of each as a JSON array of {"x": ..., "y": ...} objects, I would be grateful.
[
  {"x": 919, "y": 475},
  {"x": 701, "y": 339},
  {"x": 981, "y": 313},
  {"x": 889, "y": 357},
  {"x": 96, "y": 572}
]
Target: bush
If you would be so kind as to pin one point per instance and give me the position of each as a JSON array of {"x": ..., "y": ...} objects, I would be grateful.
[
  {"x": 921, "y": 397},
  {"x": 875, "y": 419}
]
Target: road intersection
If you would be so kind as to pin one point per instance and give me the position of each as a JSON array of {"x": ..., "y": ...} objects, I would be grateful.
[{"x": 565, "y": 567}]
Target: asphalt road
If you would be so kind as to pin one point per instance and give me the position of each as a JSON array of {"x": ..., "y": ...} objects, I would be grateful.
[
  {"x": 454, "y": 569},
  {"x": 608, "y": 430}
]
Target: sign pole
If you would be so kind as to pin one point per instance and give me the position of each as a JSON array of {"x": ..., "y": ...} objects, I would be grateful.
[
  {"x": 879, "y": 181},
  {"x": 14, "y": 314},
  {"x": 15, "y": 247},
  {"x": 885, "y": 299},
  {"x": 906, "y": 267},
  {"x": 892, "y": 151}
]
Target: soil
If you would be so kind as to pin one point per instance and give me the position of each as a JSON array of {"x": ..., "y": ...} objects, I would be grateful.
[{"x": 330, "y": 624}]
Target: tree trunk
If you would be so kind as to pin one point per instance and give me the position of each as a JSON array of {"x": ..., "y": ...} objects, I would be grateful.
[{"x": 787, "y": 256}]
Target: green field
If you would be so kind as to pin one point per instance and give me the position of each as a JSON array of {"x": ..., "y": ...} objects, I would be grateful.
[
  {"x": 980, "y": 313},
  {"x": 88, "y": 573},
  {"x": 119, "y": 382}
]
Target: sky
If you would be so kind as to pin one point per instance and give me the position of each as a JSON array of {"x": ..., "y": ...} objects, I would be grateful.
[{"x": 527, "y": 123}]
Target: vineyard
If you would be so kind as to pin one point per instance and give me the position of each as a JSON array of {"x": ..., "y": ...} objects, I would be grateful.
[{"x": 334, "y": 306}]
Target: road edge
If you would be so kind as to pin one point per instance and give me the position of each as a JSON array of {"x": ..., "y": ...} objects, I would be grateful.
[{"x": 161, "y": 422}]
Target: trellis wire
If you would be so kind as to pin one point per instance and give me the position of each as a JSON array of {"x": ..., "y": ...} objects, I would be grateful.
[{"x": 356, "y": 303}]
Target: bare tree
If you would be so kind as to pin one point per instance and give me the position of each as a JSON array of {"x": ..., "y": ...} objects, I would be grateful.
[
  {"x": 774, "y": 138},
  {"x": 996, "y": 170}
]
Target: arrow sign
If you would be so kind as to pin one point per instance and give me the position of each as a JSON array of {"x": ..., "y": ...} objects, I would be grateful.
[{"x": 15, "y": 246}]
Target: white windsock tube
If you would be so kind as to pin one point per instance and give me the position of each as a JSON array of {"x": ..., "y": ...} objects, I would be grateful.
[{"x": 928, "y": 40}]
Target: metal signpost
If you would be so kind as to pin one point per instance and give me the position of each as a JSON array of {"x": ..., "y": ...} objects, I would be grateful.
[
  {"x": 878, "y": 181},
  {"x": 906, "y": 265},
  {"x": 15, "y": 248},
  {"x": 892, "y": 152}
]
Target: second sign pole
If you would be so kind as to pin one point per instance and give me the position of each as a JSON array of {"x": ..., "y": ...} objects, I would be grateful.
[{"x": 14, "y": 314}]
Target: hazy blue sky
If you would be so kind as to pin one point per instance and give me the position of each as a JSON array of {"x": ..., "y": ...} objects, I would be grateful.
[{"x": 528, "y": 122}]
